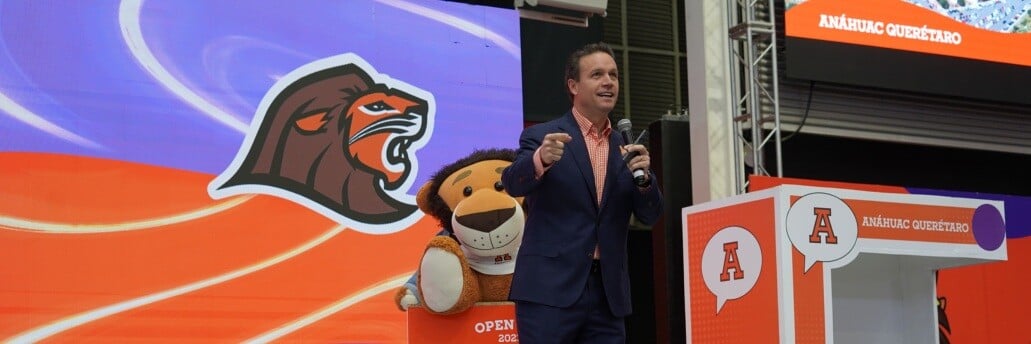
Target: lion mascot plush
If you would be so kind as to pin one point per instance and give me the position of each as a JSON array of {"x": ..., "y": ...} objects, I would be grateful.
[{"x": 474, "y": 257}]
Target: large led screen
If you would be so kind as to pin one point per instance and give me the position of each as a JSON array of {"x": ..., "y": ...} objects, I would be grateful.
[
  {"x": 153, "y": 158},
  {"x": 965, "y": 48}
]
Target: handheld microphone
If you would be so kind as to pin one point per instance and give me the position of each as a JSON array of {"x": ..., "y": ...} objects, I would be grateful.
[{"x": 624, "y": 128}]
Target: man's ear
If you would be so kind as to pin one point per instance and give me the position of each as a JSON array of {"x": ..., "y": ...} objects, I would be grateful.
[
  {"x": 423, "y": 198},
  {"x": 571, "y": 85}
]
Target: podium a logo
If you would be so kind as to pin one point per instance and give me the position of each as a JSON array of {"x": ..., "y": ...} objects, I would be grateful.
[
  {"x": 822, "y": 227},
  {"x": 731, "y": 264},
  {"x": 823, "y": 231}
]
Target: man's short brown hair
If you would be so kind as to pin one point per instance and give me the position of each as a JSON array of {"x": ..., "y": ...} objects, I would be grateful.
[{"x": 573, "y": 63}]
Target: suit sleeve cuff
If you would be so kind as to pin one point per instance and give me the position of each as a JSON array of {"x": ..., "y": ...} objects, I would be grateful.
[{"x": 538, "y": 165}]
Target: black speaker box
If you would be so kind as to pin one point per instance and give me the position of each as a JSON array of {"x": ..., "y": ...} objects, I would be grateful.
[{"x": 670, "y": 150}]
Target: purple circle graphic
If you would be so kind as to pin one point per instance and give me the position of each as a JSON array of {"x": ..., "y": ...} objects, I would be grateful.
[{"x": 988, "y": 226}]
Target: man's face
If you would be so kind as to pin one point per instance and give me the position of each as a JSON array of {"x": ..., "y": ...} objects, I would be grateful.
[{"x": 598, "y": 86}]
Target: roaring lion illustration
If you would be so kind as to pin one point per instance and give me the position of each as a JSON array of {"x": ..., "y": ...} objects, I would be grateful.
[{"x": 339, "y": 139}]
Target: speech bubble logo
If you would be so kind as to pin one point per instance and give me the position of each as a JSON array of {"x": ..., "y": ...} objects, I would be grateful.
[
  {"x": 731, "y": 264},
  {"x": 822, "y": 227}
]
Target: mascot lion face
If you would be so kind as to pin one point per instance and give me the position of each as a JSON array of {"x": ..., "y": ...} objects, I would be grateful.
[
  {"x": 340, "y": 138},
  {"x": 382, "y": 126},
  {"x": 468, "y": 199}
]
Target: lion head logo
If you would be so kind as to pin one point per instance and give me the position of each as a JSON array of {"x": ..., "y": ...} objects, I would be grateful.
[{"x": 339, "y": 138}]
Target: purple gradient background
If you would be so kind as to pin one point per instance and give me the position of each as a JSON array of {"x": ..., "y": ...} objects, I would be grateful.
[{"x": 67, "y": 62}]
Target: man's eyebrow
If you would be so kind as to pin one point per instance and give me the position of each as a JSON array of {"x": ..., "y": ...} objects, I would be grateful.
[{"x": 461, "y": 176}]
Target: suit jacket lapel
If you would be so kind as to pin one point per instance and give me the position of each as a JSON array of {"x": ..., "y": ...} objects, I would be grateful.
[
  {"x": 615, "y": 164},
  {"x": 577, "y": 149}
]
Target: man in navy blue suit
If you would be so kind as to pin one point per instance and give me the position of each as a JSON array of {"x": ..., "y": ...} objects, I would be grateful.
[{"x": 571, "y": 283}]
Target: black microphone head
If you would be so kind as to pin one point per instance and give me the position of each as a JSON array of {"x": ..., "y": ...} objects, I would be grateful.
[{"x": 624, "y": 125}]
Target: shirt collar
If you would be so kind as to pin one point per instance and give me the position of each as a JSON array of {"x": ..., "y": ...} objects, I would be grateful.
[{"x": 587, "y": 128}]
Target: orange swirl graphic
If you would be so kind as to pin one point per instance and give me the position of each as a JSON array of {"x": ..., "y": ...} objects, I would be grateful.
[{"x": 243, "y": 268}]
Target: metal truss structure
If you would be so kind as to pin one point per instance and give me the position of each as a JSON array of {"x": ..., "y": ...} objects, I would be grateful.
[{"x": 753, "y": 74}]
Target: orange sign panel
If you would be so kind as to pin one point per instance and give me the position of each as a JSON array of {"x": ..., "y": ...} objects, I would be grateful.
[
  {"x": 487, "y": 322},
  {"x": 896, "y": 24}
]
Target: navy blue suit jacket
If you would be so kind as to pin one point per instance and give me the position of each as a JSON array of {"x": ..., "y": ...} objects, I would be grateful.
[{"x": 565, "y": 221}]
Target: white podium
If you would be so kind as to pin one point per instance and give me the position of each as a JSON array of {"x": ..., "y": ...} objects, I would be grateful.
[{"x": 799, "y": 264}]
